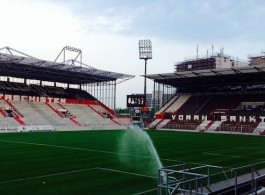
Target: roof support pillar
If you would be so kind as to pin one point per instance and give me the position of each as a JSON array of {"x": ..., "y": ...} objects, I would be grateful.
[
  {"x": 154, "y": 99},
  {"x": 114, "y": 99}
]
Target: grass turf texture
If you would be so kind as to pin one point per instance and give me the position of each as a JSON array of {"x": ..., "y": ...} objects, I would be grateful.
[{"x": 89, "y": 162}]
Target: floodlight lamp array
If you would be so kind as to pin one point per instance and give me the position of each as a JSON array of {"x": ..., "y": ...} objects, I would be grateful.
[
  {"x": 73, "y": 49},
  {"x": 145, "y": 49}
]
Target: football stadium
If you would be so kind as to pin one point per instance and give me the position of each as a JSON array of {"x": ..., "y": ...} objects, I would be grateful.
[{"x": 60, "y": 133}]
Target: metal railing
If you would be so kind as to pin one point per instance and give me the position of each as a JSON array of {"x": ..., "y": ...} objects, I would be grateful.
[{"x": 183, "y": 179}]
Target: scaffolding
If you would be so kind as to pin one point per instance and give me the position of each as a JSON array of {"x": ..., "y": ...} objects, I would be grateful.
[{"x": 208, "y": 179}]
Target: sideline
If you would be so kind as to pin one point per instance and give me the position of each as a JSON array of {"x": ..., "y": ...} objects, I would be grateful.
[
  {"x": 76, "y": 171},
  {"x": 72, "y": 148},
  {"x": 48, "y": 175},
  {"x": 125, "y": 172},
  {"x": 145, "y": 191}
]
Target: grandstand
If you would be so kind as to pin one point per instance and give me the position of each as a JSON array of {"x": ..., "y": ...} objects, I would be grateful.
[
  {"x": 44, "y": 95},
  {"x": 213, "y": 93}
]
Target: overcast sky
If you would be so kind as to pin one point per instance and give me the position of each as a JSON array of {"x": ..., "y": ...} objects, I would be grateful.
[{"x": 108, "y": 31}]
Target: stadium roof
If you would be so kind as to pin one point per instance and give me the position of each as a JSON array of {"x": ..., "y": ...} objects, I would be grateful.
[
  {"x": 248, "y": 75},
  {"x": 73, "y": 72}
]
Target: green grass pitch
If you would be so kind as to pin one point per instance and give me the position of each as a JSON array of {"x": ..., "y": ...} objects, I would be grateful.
[{"x": 91, "y": 162}]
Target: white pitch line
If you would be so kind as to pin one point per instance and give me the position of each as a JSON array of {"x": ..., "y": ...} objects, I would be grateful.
[
  {"x": 74, "y": 148},
  {"x": 125, "y": 172},
  {"x": 228, "y": 149},
  {"x": 145, "y": 191},
  {"x": 91, "y": 150},
  {"x": 249, "y": 165},
  {"x": 194, "y": 163},
  {"x": 76, "y": 171},
  {"x": 101, "y": 151},
  {"x": 57, "y": 146},
  {"x": 48, "y": 175},
  {"x": 237, "y": 148},
  {"x": 215, "y": 154},
  {"x": 233, "y": 156},
  {"x": 136, "y": 174}
]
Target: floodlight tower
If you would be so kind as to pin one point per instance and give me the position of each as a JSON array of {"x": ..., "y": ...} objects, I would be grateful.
[{"x": 145, "y": 53}]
